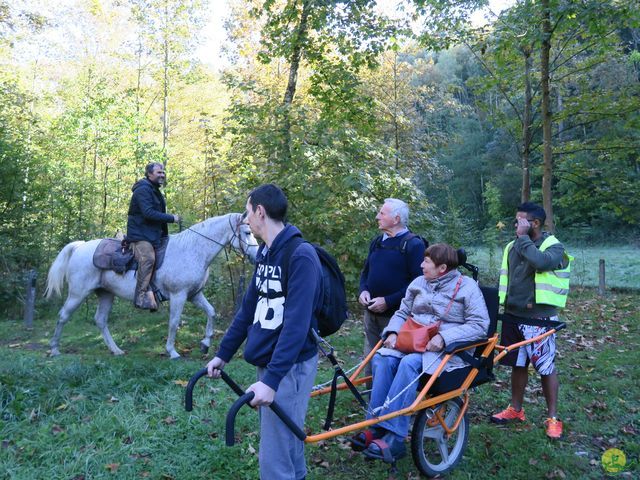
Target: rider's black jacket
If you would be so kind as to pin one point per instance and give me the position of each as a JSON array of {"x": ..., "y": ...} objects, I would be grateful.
[{"x": 147, "y": 217}]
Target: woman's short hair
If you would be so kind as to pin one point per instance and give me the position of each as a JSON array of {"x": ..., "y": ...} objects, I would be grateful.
[{"x": 441, "y": 253}]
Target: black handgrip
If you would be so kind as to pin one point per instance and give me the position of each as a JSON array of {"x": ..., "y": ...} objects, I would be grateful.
[
  {"x": 246, "y": 398},
  {"x": 231, "y": 417},
  {"x": 188, "y": 405},
  {"x": 188, "y": 395}
]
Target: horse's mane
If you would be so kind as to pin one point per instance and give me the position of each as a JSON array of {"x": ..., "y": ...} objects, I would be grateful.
[{"x": 188, "y": 238}]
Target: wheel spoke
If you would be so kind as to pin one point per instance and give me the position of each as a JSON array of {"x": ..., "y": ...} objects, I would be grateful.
[
  {"x": 443, "y": 448},
  {"x": 433, "y": 432}
]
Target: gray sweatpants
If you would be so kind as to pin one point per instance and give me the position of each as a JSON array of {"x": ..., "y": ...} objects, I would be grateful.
[{"x": 281, "y": 454}]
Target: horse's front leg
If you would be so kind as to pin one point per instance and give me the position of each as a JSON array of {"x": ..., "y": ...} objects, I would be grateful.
[
  {"x": 200, "y": 301},
  {"x": 176, "y": 304}
]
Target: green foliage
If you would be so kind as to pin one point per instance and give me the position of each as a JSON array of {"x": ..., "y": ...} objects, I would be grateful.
[{"x": 376, "y": 111}]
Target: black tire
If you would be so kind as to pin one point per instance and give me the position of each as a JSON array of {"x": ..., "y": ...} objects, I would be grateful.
[{"x": 433, "y": 453}]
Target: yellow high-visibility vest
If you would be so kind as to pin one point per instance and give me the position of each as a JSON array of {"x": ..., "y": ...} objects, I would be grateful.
[{"x": 552, "y": 288}]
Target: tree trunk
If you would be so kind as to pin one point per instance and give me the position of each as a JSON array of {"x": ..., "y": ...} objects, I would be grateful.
[
  {"x": 294, "y": 65},
  {"x": 138, "y": 147},
  {"x": 396, "y": 127},
  {"x": 547, "y": 171},
  {"x": 526, "y": 126},
  {"x": 165, "y": 93}
]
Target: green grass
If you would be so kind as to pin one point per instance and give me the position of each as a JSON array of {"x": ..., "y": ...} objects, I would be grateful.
[
  {"x": 89, "y": 415},
  {"x": 622, "y": 265}
]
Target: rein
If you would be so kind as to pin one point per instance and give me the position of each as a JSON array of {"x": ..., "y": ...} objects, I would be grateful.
[
  {"x": 243, "y": 253},
  {"x": 223, "y": 245}
]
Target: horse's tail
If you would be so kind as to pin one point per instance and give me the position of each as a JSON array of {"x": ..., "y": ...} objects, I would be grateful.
[{"x": 58, "y": 271}]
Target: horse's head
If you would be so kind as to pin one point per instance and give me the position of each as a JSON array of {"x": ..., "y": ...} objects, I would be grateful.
[{"x": 243, "y": 240}]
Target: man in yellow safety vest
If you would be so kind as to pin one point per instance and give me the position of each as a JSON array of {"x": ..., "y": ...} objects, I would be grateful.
[{"x": 534, "y": 284}]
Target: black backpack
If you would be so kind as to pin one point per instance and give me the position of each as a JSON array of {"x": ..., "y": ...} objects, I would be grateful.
[
  {"x": 377, "y": 243},
  {"x": 333, "y": 311}
]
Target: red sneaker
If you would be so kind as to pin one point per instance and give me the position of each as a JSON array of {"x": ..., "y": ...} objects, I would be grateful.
[
  {"x": 553, "y": 426},
  {"x": 508, "y": 415}
]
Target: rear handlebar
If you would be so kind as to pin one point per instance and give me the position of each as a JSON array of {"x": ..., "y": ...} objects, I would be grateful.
[{"x": 245, "y": 398}]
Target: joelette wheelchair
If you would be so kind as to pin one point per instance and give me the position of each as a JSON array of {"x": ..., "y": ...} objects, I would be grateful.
[{"x": 441, "y": 426}]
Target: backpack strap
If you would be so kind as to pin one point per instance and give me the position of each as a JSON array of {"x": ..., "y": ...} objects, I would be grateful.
[
  {"x": 375, "y": 243},
  {"x": 407, "y": 238},
  {"x": 289, "y": 248}
]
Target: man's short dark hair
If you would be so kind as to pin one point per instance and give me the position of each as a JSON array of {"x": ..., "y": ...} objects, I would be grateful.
[
  {"x": 533, "y": 210},
  {"x": 148, "y": 170},
  {"x": 272, "y": 198}
]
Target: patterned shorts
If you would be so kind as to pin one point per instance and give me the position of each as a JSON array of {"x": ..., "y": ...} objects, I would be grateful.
[{"x": 540, "y": 354}]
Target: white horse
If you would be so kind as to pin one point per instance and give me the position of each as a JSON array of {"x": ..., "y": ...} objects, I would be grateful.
[{"x": 181, "y": 277}]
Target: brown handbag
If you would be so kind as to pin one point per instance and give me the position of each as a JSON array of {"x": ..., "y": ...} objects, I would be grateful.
[{"x": 413, "y": 337}]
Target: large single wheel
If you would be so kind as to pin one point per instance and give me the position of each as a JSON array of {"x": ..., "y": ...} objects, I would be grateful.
[{"x": 434, "y": 452}]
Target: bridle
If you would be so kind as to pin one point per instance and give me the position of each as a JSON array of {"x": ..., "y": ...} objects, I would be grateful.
[{"x": 243, "y": 244}]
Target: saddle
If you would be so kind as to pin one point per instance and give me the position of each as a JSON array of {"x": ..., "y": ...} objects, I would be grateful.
[{"x": 114, "y": 254}]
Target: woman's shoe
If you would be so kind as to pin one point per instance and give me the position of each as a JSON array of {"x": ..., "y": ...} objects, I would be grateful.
[
  {"x": 389, "y": 449},
  {"x": 363, "y": 439}
]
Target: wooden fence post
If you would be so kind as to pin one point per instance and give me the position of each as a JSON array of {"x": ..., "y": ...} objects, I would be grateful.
[
  {"x": 601, "y": 278},
  {"x": 30, "y": 298}
]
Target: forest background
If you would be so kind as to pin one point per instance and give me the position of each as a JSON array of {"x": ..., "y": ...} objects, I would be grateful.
[{"x": 341, "y": 103}]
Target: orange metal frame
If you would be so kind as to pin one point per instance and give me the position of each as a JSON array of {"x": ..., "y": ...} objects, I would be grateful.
[{"x": 422, "y": 400}]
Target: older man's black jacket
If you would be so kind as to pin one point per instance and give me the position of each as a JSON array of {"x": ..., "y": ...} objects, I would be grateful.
[{"x": 147, "y": 217}]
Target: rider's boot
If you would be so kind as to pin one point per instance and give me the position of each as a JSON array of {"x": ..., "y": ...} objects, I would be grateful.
[{"x": 147, "y": 301}]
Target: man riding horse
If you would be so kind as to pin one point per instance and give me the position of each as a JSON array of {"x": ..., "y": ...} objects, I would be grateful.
[{"x": 146, "y": 227}]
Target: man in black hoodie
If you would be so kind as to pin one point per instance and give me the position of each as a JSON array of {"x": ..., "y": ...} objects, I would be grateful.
[
  {"x": 146, "y": 226},
  {"x": 275, "y": 320}
]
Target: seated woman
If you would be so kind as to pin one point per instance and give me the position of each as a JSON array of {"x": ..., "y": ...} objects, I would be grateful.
[{"x": 442, "y": 294}]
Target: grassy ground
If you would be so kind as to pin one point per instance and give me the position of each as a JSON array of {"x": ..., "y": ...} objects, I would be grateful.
[{"x": 89, "y": 415}]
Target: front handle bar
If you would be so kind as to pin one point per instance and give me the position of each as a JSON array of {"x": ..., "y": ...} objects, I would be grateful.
[{"x": 233, "y": 411}]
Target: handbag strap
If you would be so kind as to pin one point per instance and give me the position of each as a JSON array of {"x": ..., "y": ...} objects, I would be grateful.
[{"x": 453, "y": 297}]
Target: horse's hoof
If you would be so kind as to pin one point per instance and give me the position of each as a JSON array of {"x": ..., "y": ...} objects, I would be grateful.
[
  {"x": 174, "y": 355},
  {"x": 118, "y": 352},
  {"x": 54, "y": 352},
  {"x": 204, "y": 349}
]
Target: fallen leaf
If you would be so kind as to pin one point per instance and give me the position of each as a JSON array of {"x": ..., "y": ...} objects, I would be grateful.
[
  {"x": 169, "y": 420},
  {"x": 56, "y": 429},
  {"x": 61, "y": 407},
  {"x": 112, "y": 467},
  {"x": 182, "y": 383}
]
